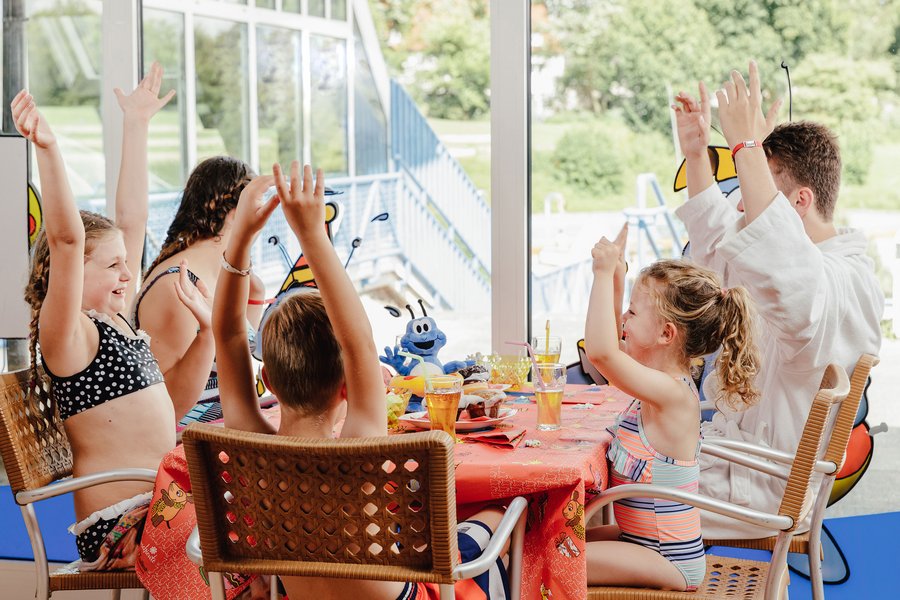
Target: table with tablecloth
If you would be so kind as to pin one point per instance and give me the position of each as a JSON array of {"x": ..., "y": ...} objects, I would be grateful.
[{"x": 558, "y": 475}]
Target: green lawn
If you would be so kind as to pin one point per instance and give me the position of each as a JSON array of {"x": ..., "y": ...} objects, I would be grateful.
[{"x": 881, "y": 191}]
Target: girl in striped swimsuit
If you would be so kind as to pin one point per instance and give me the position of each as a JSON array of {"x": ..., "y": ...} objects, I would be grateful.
[{"x": 678, "y": 311}]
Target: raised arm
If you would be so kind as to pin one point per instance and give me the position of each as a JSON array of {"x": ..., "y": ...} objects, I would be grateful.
[
  {"x": 237, "y": 383},
  {"x": 64, "y": 332},
  {"x": 602, "y": 334},
  {"x": 740, "y": 112},
  {"x": 692, "y": 118},
  {"x": 132, "y": 189},
  {"x": 304, "y": 208}
]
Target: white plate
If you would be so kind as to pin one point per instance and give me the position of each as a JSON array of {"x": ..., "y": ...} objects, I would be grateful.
[{"x": 420, "y": 419}]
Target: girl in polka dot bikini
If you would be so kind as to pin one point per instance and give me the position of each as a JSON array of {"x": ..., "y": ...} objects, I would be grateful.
[{"x": 106, "y": 384}]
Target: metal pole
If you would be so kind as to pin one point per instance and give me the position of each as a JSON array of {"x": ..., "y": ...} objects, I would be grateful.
[{"x": 14, "y": 79}]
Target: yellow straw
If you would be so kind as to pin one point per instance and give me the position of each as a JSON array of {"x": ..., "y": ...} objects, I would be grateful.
[{"x": 547, "y": 337}]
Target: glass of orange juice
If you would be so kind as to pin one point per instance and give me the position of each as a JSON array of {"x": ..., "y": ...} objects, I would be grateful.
[
  {"x": 548, "y": 393},
  {"x": 546, "y": 349},
  {"x": 442, "y": 393}
]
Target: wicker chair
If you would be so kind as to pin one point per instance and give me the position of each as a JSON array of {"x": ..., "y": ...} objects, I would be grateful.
[
  {"x": 738, "y": 578},
  {"x": 37, "y": 456},
  {"x": 808, "y": 543},
  {"x": 363, "y": 508}
]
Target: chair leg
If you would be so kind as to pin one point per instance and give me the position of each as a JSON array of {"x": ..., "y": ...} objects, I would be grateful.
[
  {"x": 216, "y": 585},
  {"x": 814, "y": 553},
  {"x": 447, "y": 592},
  {"x": 145, "y": 594},
  {"x": 115, "y": 595}
]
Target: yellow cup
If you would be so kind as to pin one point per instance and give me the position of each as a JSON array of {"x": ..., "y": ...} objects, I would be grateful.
[{"x": 442, "y": 393}]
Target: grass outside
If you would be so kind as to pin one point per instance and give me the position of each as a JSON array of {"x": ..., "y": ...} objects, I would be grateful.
[{"x": 471, "y": 139}]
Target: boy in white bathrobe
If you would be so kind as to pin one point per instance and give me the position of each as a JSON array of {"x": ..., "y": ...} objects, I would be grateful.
[{"x": 815, "y": 289}]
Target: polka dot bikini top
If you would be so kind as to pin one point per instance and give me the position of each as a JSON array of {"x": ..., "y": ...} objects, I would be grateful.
[{"x": 123, "y": 365}]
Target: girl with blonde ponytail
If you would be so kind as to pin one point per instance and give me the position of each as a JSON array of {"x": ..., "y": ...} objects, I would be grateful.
[
  {"x": 678, "y": 312},
  {"x": 104, "y": 383}
]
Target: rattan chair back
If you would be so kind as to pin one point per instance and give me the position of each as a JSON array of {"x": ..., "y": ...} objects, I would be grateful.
[
  {"x": 832, "y": 390},
  {"x": 33, "y": 443},
  {"x": 367, "y": 508},
  {"x": 846, "y": 416}
]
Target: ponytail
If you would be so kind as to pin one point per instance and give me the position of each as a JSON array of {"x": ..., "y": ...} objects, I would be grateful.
[{"x": 738, "y": 363}]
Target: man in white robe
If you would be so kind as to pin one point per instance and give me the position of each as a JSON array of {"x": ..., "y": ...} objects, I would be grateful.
[{"x": 815, "y": 289}]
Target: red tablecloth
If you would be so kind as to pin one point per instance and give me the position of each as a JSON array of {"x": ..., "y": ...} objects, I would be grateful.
[
  {"x": 567, "y": 470},
  {"x": 558, "y": 477}
]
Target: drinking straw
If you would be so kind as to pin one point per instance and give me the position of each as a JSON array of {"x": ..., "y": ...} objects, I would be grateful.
[
  {"x": 421, "y": 360},
  {"x": 538, "y": 382},
  {"x": 547, "y": 337}
]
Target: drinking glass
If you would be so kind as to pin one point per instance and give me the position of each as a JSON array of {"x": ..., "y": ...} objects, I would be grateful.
[
  {"x": 546, "y": 349},
  {"x": 509, "y": 368},
  {"x": 548, "y": 394},
  {"x": 442, "y": 393}
]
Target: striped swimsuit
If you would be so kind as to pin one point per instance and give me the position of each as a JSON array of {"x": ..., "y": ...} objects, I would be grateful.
[{"x": 670, "y": 528}]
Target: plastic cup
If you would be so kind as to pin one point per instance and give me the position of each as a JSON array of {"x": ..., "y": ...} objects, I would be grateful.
[
  {"x": 549, "y": 399},
  {"x": 546, "y": 350},
  {"x": 442, "y": 393}
]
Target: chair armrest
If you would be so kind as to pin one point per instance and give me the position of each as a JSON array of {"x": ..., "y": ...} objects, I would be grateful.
[
  {"x": 779, "y": 456},
  {"x": 649, "y": 490},
  {"x": 77, "y": 483},
  {"x": 192, "y": 547},
  {"x": 780, "y": 471},
  {"x": 512, "y": 519}
]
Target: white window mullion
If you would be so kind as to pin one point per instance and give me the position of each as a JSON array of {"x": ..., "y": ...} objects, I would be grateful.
[
  {"x": 253, "y": 96},
  {"x": 190, "y": 90},
  {"x": 306, "y": 78},
  {"x": 509, "y": 171}
]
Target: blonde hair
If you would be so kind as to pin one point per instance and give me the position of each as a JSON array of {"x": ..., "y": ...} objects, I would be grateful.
[
  {"x": 96, "y": 228},
  {"x": 301, "y": 354},
  {"x": 709, "y": 316}
]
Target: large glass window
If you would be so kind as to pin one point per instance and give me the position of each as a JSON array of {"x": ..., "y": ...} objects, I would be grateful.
[
  {"x": 371, "y": 141},
  {"x": 64, "y": 76},
  {"x": 328, "y": 67},
  {"x": 279, "y": 95},
  {"x": 163, "y": 37},
  {"x": 604, "y": 149},
  {"x": 223, "y": 115}
]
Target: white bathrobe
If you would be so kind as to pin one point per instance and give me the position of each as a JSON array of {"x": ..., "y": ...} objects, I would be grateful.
[{"x": 817, "y": 303}]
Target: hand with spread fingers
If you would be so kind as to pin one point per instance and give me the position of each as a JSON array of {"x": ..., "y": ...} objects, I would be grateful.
[
  {"x": 144, "y": 101},
  {"x": 303, "y": 203},
  {"x": 254, "y": 209},
  {"x": 740, "y": 109}
]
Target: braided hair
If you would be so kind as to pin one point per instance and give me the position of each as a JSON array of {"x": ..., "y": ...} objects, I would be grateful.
[
  {"x": 96, "y": 228},
  {"x": 211, "y": 192}
]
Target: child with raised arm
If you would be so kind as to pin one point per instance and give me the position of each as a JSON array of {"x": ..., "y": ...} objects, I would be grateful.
[
  {"x": 104, "y": 382},
  {"x": 318, "y": 354},
  {"x": 678, "y": 311}
]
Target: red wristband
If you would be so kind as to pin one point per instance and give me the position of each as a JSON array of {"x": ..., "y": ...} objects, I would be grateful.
[
  {"x": 263, "y": 302},
  {"x": 745, "y": 144}
]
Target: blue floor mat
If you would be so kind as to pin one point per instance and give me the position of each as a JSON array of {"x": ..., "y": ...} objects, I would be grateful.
[
  {"x": 869, "y": 543},
  {"x": 55, "y": 515}
]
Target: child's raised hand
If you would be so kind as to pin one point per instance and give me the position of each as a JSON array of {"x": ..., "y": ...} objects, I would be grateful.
[
  {"x": 692, "y": 118},
  {"x": 144, "y": 101},
  {"x": 194, "y": 297},
  {"x": 29, "y": 121},
  {"x": 253, "y": 209},
  {"x": 605, "y": 255},
  {"x": 304, "y": 207}
]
